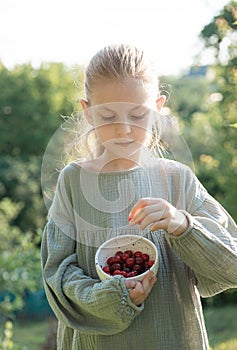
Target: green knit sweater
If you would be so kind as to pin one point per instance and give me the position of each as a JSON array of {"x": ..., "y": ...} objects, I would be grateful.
[{"x": 89, "y": 208}]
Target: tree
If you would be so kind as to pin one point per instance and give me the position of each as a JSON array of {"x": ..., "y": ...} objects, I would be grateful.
[
  {"x": 206, "y": 108},
  {"x": 31, "y": 104},
  {"x": 19, "y": 260},
  {"x": 220, "y": 35}
]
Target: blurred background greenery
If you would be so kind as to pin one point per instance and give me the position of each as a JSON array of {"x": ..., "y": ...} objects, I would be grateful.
[{"x": 32, "y": 102}]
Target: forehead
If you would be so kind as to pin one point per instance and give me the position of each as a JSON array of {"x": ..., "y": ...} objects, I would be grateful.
[{"x": 129, "y": 90}]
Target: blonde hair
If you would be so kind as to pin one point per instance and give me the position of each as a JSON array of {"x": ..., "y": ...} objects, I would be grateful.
[{"x": 118, "y": 62}]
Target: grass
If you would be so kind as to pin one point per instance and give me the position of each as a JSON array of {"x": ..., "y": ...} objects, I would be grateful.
[
  {"x": 221, "y": 326},
  {"x": 29, "y": 335}
]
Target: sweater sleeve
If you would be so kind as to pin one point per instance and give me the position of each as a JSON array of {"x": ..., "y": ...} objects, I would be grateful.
[
  {"x": 209, "y": 246},
  {"x": 78, "y": 300}
]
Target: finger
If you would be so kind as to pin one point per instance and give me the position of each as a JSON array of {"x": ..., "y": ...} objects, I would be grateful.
[
  {"x": 151, "y": 218},
  {"x": 149, "y": 215},
  {"x": 145, "y": 212},
  {"x": 148, "y": 280},
  {"x": 142, "y": 289},
  {"x": 130, "y": 284},
  {"x": 138, "y": 291},
  {"x": 139, "y": 205}
]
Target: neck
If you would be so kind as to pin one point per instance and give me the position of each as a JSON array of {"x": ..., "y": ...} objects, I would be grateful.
[{"x": 106, "y": 163}]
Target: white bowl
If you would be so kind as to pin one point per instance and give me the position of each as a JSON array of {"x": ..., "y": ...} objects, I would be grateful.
[{"x": 123, "y": 243}]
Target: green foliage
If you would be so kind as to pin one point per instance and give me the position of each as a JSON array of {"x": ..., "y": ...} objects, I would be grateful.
[
  {"x": 206, "y": 107},
  {"x": 6, "y": 343},
  {"x": 221, "y": 326},
  {"x": 222, "y": 30},
  {"x": 20, "y": 181},
  {"x": 218, "y": 164},
  {"x": 31, "y": 103},
  {"x": 19, "y": 260},
  {"x": 29, "y": 335},
  {"x": 187, "y": 94}
]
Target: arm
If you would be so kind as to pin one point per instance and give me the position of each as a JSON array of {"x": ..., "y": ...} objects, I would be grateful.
[
  {"x": 203, "y": 235},
  {"x": 209, "y": 247},
  {"x": 78, "y": 300}
]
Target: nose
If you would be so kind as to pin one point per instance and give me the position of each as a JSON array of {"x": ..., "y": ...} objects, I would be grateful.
[{"x": 123, "y": 128}]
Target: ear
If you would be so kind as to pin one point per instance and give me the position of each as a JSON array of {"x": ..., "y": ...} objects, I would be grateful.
[
  {"x": 84, "y": 104},
  {"x": 160, "y": 102}
]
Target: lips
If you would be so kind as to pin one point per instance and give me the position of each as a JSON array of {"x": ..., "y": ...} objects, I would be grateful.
[{"x": 124, "y": 143}]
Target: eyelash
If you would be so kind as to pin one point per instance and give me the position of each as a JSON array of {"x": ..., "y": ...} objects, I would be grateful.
[
  {"x": 108, "y": 118},
  {"x": 138, "y": 117}
]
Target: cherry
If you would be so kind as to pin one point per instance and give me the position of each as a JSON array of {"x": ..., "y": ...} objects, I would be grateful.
[
  {"x": 125, "y": 256},
  {"x": 117, "y": 259},
  {"x": 145, "y": 257},
  {"x": 129, "y": 252},
  {"x": 116, "y": 266},
  {"x": 150, "y": 263},
  {"x": 119, "y": 252},
  {"x": 106, "y": 269},
  {"x": 138, "y": 254},
  {"x": 132, "y": 274},
  {"x": 126, "y": 269},
  {"x": 119, "y": 272},
  {"x": 130, "y": 262},
  {"x": 110, "y": 260},
  {"x": 139, "y": 260},
  {"x": 137, "y": 268}
]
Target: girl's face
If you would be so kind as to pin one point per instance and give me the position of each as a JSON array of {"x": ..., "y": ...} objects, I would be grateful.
[{"x": 121, "y": 113}]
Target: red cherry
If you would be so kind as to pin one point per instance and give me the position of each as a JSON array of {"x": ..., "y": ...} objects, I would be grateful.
[
  {"x": 117, "y": 272},
  {"x": 129, "y": 252},
  {"x": 137, "y": 268},
  {"x": 139, "y": 260},
  {"x": 130, "y": 262},
  {"x": 145, "y": 257},
  {"x": 121, "y": 273},
  {"x": 116, "y": 266},
  {"x": 110, "y": 260},
  {"x": 132, "y": 274},
  {"x": 117, "y": 259},
  {"x": 138, "y": 254},
  {"x": 146, "y": 267},
  {"x": 126, "y": 269},
  {"x": 150, "y": 263},
  {"x": 106, "y": 269},
  {"x": 119, "y": 252},
  {"x": 125, "y": 256}
]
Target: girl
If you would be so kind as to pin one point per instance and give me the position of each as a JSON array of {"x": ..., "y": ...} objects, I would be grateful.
[{"x": 125, "y": 189}]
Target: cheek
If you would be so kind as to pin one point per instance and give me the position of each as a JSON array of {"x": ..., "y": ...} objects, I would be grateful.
[
  {"x": 105, "y": 132},
  {"x": 144, "y": 132}
]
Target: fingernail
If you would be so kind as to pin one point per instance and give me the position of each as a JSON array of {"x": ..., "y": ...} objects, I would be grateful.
[{"x": 129, "y": 218}]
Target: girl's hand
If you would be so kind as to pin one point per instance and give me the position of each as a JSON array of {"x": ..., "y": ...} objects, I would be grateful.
[
  {"x": 140, "y": 290},
  {"x": 159, "y": 214}
]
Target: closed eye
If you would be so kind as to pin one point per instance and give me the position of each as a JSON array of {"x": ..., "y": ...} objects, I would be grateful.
[
  {"x": 108, "y": 117},
  {"x": 138, "y": 117}
]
